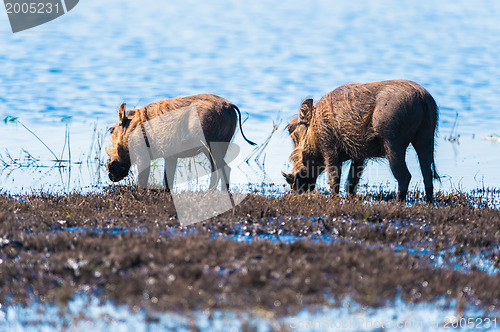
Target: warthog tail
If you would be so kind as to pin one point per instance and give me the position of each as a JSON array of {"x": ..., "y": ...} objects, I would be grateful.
[
  {"x": 241, "y": 127},
  {"x": 432, "y": 109},
  {"x": 435, "y": 174}
]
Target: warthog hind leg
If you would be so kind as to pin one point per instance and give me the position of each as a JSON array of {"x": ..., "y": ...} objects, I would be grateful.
[
  {"x": 169, "y": 174},
  {"x": 225, "y": 173},
  {"x": 425, "y": 157},
  {"x": 214, "y": 175},
  {"x": 219, "y": 167},
  {"x": 397, "y": 161}
]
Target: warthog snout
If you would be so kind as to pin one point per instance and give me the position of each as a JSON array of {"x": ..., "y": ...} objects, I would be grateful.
[
  {"x": 300, "y": 182},
  {"x": 118, "y": 170}
]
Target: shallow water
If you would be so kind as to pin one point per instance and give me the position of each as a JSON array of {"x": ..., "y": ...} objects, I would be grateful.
[
  {"x": 85, "y": 312},
  {"x": 263, "y": 56}
]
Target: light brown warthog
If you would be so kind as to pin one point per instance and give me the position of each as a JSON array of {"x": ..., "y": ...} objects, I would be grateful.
[
  {"x": 217, "y": 118},
  {"x": 360, "y": 121}
]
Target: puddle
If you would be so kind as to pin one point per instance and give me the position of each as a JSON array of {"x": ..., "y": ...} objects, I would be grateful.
[
  {"x": 275, "y": 230},
  {"x": 450, "y": 256}
]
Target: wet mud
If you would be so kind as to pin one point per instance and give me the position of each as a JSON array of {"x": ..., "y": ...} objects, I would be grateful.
[{"x": 279, "y": 254}]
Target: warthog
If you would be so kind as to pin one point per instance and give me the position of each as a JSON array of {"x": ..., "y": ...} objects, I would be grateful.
[
  {"x": 217, "y": 118},
  {"x": 360, "y": 121}
]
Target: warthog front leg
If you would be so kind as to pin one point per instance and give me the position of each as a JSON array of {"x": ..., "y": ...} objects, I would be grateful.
[
  {"x": 334, "y": 169},
  {"x": 357, "y": 167},
  {"x": 142, "y": 178}
]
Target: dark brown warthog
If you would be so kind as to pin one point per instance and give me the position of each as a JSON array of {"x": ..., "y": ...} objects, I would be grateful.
[
  {"x": 217, "y": 118},
  {"x": 360, "y": 121}
]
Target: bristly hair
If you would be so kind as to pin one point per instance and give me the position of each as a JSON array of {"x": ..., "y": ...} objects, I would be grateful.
[
  {"x": 292, "y": 124},
  {"x": 118, "y": 130},
  {"x": 116, "y": 136},
  {"x": 296, "y": 157},
  {"x": 304, "y": 140}
]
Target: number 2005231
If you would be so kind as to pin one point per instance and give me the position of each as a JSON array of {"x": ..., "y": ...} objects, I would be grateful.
[
  {"x": 32, "y": 8},
  {"x": 476, "y": 323}
]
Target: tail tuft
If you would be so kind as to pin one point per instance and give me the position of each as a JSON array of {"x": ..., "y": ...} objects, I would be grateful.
[{"x": 435, "y": 174}]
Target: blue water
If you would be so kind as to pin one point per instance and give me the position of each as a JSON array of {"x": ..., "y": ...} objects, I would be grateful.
[
  {"x": 265, "y": 57},
  {"x": 85, "y": 313}
]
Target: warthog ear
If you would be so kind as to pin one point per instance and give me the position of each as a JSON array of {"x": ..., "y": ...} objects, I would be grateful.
[
  {"x": 121, "y": 112},
  {"x": 306, "y": 110},
  {"x": 288, "y": 177}
]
